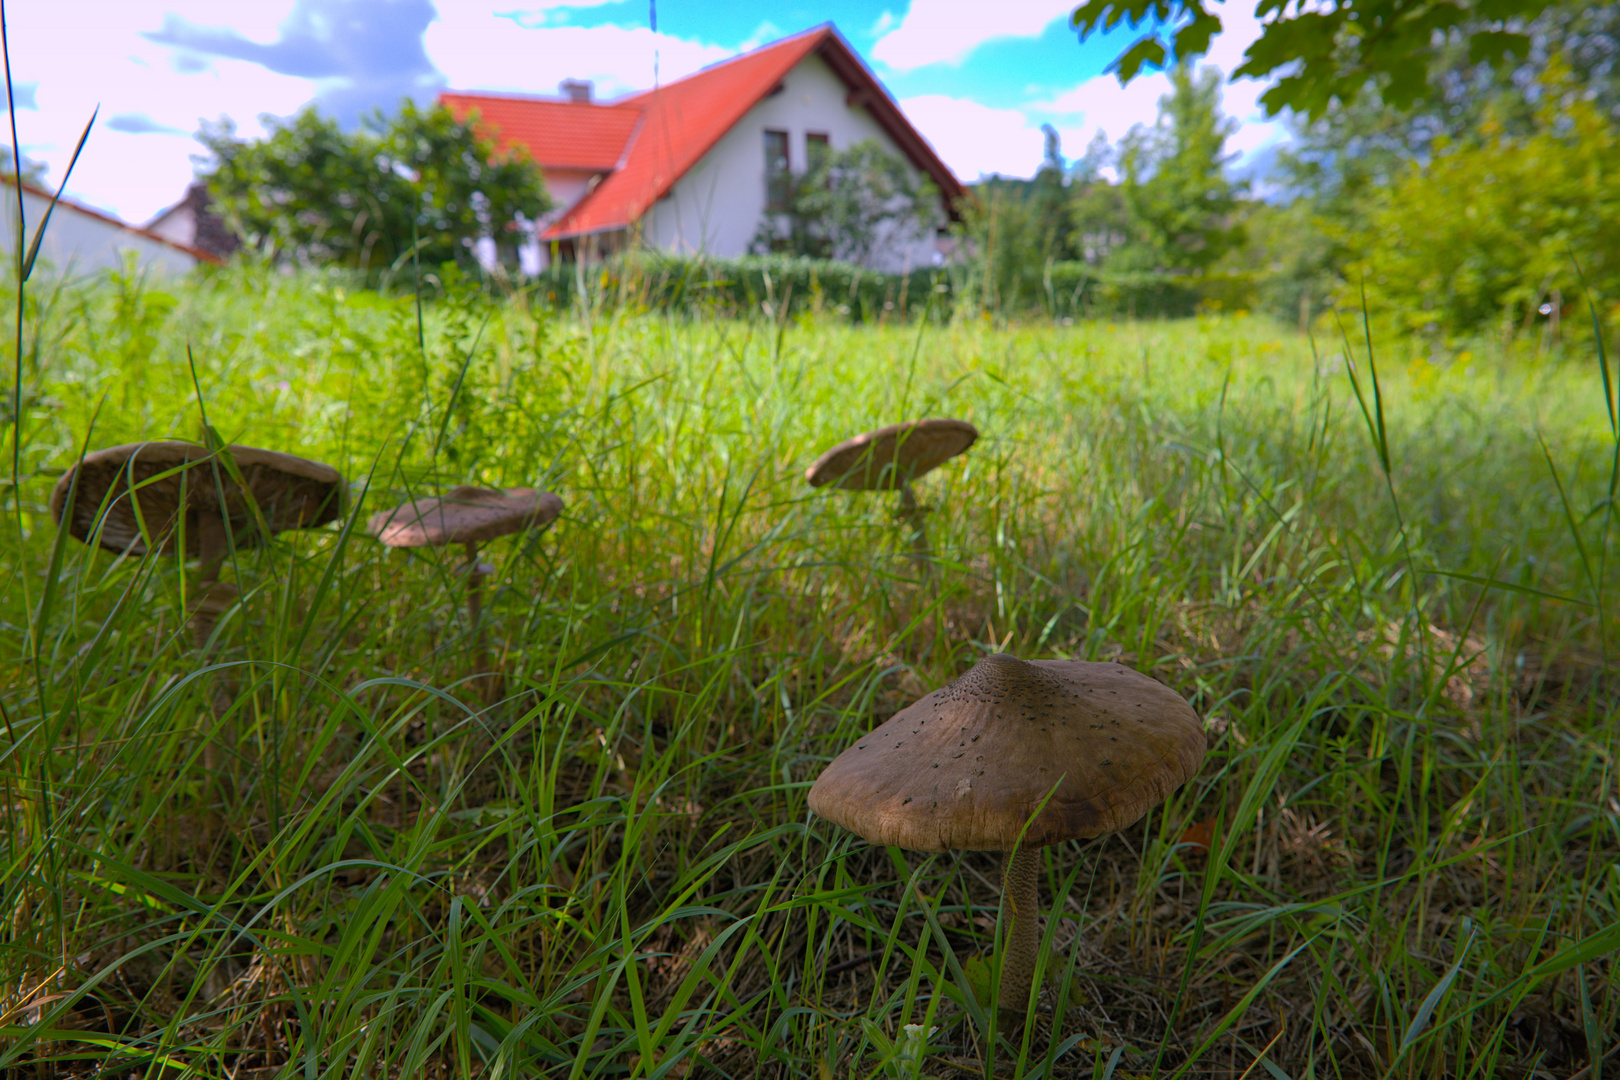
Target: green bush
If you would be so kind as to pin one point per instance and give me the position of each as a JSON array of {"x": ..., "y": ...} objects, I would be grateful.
[
  {"x": 1078, "y": 290},
  {"x": 1489, "y": 235},
  {"x": 778, "y": 285},
  {"x": 774, "y": 285}
]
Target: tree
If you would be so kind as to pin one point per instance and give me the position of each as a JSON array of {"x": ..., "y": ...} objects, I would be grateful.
[
  {"x": 1343, "y": 161},
  {"x": 1332, "y": 49},
  {"x": 1018, "y": 228},
  {"x": 312, "y": 192},
  {"x": 1493, "y": 229},
  {"x": 33, "y": 172},
  {"x": 848, "y": 203},
  {"x": 1098, "y": 222},
  {"x": 1179, "y": 206}
]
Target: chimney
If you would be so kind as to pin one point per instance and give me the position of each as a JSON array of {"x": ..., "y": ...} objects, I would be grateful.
[{"x": 578, "y": 90}]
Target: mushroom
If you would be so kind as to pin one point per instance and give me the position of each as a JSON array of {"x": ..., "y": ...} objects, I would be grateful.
[
  {"x": 170, "y": 493},
  {"x": 1014, "y": 756},
  {"x": 888, "y": 459},
  {"x": 466, "y": 515}
]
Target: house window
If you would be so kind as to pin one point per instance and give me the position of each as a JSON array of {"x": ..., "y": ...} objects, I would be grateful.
[
  {"x": 815, "y": 143},
  {"x": 778, "y": 181}
]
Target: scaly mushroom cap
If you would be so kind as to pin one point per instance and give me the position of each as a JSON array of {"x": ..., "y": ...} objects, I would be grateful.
[
  {"x": 464, "y": 515},
  {"x": 156, "y": 482},
  {"x": 966, "y": 766},
  {"x": 880, "y": 460}
]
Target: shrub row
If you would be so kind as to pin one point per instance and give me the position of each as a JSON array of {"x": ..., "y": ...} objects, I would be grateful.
[{"x": 778, "y": 285}]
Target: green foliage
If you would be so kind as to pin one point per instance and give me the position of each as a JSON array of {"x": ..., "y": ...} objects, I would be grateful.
[
  {"x": 774, "y": 285},
  {"x": 1069, "y": 242},
  {"x": 1360, "y": 144},
  {"x": 1485, "y": 234},
  {"x": 1015, "y": 231},
  {"x": 313, "y": 193},
  {"x": 33, "y": 172},
  {"x": 1178, "y": 203},
  {"x": 1332, "y": 52},
  {"x": 1345, "y": 162},
  {"x": 1099, "y": 223},
  {"x": 1292, "y": 265},
  {"x": 848, "y": 204}
]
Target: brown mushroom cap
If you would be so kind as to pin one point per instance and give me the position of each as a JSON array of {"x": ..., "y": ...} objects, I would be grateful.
[
  {"x": 966, "y": 766},
  {"x": 880, "y": 460},
  {"x": 464, "y": 515},
  {"x": 291, "y": 493}
]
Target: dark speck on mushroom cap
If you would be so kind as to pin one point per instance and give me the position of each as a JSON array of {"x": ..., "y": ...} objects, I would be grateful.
[{"x": 1005, "y": 736}]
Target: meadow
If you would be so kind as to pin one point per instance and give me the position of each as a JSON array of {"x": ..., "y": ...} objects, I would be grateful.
[{"x": 1391, "y": 598}]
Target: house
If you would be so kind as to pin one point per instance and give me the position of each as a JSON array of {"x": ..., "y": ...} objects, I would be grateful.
[
  {"x": 79, "y": 240},
  {"x": 192, "y": 222},
  {"x": 697, "y": 165}
]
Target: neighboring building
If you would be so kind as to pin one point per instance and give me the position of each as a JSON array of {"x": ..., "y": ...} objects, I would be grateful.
[
  {"x": 697, "y": 165},
  {"x": 79, "y": 240},
  {"x": 191, "y": 222}
]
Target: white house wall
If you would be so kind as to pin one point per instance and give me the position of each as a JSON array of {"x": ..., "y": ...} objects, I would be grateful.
[
  {"x": 717, "y": 206},
  {"x": 566, "y": 187},
  {"x": 80, "y": 242}
]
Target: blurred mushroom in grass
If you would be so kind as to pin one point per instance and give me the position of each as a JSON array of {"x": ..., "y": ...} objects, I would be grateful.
[
  {"x": 889, "y": 459},
  {"x": 1015, "y": 756},
  {"x": 466, "y": 515},
  {"x": 169, "y": 497},
  {"x": 179, "y": 497}
]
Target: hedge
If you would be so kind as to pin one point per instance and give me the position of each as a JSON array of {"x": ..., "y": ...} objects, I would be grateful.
[{"x": 783, "y": 285}]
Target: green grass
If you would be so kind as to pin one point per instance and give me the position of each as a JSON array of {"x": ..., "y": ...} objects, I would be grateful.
[{"x": 1411, "y": 793}]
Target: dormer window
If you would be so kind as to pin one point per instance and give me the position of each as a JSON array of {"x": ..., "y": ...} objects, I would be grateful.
[{"x": 778, "y": 178}]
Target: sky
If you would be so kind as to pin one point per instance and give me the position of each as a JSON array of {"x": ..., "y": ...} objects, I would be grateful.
[{"x": 978, "y": 78}]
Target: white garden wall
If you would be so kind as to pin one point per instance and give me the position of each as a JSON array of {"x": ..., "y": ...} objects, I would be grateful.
[{"x": 82, "y": 241}]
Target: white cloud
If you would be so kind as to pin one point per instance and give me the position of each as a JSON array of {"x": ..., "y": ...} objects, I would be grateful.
[
  {"x": 546, "y": 12},
  {"x": 77, "y": 54},
  {"x": 1102, "y": 104},
  {"x": 975, "y": 139},
  {"x": 83, "y": 54},
  {"x": 946, "y": 31},
  {"x": 479, "y": 50}
]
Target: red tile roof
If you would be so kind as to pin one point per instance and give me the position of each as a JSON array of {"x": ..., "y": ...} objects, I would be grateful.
[
  {"x": 664, "y": 132},
  {"x": 557, "y": 134}
]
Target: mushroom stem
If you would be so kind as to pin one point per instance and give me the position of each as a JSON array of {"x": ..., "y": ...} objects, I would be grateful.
[
  {"x": 475, "y": 609},
  {"x": 1020, "y": 877},
  {"x": 213, "y": 597},
  {"x": 912, "y": 515},
  {"x": 212, "y": 548}
]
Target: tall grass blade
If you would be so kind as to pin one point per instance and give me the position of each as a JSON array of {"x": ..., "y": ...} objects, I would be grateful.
[{"x": 50, "y": 208}]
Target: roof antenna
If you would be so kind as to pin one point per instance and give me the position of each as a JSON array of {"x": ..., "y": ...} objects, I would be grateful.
[{"x": 652, "y": 18}]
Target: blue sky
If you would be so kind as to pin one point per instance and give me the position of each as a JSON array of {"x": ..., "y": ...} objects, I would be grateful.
[{"x": 977, "y": 78}]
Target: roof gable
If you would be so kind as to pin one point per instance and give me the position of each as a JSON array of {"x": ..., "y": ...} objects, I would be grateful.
[{"x": 677, "y": 124}]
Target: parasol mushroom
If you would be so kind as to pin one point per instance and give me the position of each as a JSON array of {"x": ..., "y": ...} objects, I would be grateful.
[
  {"x": 1014, "y": 756},
  {"x": 889, "y": 459},
  {"x": 466, "y": 515},
  {"x": 158, "y": 495}
]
